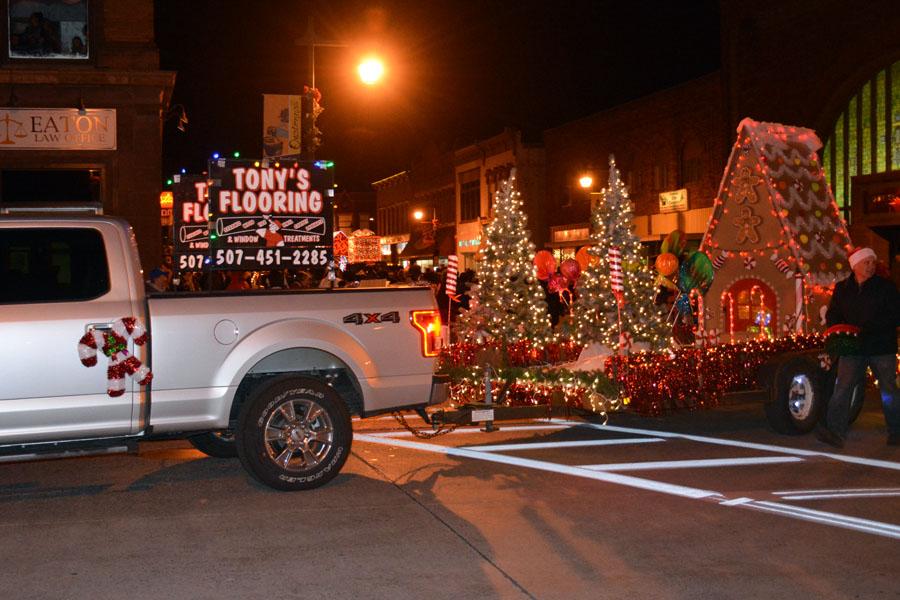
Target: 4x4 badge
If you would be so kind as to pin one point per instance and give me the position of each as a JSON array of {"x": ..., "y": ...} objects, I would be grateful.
[{"x": 367, "y": 318}]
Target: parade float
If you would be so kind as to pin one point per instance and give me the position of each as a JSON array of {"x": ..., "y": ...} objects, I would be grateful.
[{"x": 744, "y": 315}]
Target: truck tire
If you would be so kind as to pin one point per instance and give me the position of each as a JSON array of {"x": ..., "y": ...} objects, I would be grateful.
[
  {"x": 218, "y": 444},
  {"x": 294, "y": 434},
  {"x": 798, "y": 397}
]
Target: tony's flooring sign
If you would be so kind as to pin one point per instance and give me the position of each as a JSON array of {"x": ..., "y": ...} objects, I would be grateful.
[{"x": 269, "y": 214}]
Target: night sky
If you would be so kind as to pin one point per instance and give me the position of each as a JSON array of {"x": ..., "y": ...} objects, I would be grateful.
[{"x": 459, "y": 71}]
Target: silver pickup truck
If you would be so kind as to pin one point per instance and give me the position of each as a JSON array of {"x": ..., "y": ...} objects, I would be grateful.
[{"x": 272, "y": 376}]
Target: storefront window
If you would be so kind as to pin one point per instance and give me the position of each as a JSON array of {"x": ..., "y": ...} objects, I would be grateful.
[
  {"x": 49, "y": 29},
  {"x": 469, "y": 197},
  {"x": 865, "y": 114},
  {"x": 865, "y": 138}
]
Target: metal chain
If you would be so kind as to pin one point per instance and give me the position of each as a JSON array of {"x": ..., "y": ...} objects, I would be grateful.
[{"x": 420, "y": 433}]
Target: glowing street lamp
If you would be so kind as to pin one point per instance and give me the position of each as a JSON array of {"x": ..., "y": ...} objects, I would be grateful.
[
  {"x": 419, "y": 215},
  {"x": 370, "y": 70},
  {"x": 585, "y": 181}
]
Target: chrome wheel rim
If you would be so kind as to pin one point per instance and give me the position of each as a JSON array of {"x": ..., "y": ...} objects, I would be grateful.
[
  {"x": 800, "y": 397},
  {"x": 298, "y": 435}
]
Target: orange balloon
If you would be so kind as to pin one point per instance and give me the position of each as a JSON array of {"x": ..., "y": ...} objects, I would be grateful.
[
  {"x": 585, "y": 259},
  {"x": 666, "y": 263}
]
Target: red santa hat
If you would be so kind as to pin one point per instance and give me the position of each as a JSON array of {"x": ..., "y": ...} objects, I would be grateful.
[{"x": 860, "y": 254}]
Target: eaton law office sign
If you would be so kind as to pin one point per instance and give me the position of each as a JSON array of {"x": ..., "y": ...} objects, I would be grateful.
[{"x": 57, "y": 129}]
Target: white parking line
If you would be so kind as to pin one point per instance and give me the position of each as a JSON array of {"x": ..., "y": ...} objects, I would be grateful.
[
  {"x": 544, "y": 445},
  {"x": 827, "y": 518},
  {"x": 834, "y": 491},
  {"x": 688, "y": 464},
  {"x": 842, "y": 495},
  {"x": 858, "y": 460},
  {"x": 646, "y": 484}
]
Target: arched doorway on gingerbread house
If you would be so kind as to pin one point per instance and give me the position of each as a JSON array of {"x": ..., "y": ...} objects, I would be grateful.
[{"x": 749, "y": 309}]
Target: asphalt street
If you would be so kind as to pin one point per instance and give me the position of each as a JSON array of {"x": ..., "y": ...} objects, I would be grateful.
[{"x": 694, "y": 505}]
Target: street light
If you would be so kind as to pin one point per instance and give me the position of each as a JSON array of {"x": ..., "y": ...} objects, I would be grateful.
[
  {"x": 586, "y": 181},
  {"x": 370, "y": 70},
  {"x": 419, "y": 215}
]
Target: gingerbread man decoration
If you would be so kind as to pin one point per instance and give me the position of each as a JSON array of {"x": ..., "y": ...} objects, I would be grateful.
[
  {"x": 747, "y": 183},
  {"x": 747, "y": 224}
]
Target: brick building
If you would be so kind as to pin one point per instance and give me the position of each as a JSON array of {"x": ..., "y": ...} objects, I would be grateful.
[
  {"x": 668, "y": 141},
  {"x": 479, "y": 169},
  {"x": 829, "y": 65},
  {"x": 83, "y": 102}
]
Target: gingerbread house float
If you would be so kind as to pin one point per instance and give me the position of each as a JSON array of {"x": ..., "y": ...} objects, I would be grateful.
[{"x": 775, "y": 236}]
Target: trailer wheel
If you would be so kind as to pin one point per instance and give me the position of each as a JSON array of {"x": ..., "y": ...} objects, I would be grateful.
[
  {"x": 218, "y": 444},
  {"x": 799, "y": 397},
  {"x": 294, "y": 434}
]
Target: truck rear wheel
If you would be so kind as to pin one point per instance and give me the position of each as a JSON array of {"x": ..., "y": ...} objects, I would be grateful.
[
  {"x": 799, "y": 397},
  {"x": 218, "y": 444},
  {"x": 294, "y": 434}
]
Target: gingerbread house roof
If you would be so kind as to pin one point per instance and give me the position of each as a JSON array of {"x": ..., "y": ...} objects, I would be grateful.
[{"x": 774, "y": 173}]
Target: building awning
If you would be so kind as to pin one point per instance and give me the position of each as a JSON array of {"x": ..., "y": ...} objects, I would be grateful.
[{"x": 427, "y": 243}]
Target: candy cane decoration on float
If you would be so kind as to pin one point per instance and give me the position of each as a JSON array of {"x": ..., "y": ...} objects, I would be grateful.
[
  {"x": 800, "y": 303},
  {"x": 114, "y": 344},
  {"x": 616, "y": 281},
  {"x": 450, "y": 288},
  {"x": 761, "y": 315},
  {"x": 727, "y": 296},
  {"x": 701, "y": 316}
]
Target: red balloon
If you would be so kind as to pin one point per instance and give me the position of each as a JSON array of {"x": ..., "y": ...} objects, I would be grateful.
[
  {"x": 545, "y": 263},
  {"x": 570, "y": 269}
]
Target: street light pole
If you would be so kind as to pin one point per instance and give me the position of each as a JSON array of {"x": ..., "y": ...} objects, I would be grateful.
[
  {"x": 311, "y": 40},
  {"x": 310, "y": 98}
]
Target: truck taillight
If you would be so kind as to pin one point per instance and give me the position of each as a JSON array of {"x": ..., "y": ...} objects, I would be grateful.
[{"x": 428, "y": 322}]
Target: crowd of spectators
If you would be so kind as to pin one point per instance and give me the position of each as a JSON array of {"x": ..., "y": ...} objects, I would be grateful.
[{"x": 164, "y": 279}]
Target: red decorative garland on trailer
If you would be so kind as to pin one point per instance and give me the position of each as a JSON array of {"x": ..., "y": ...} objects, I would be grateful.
[{"x": 689, "y": 378}]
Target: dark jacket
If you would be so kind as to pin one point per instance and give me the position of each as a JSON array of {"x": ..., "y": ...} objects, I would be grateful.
[{"x": 874, "y": 308}]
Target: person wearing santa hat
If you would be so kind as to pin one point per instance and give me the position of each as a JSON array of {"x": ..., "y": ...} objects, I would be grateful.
[{"x": 871, "y": 303}]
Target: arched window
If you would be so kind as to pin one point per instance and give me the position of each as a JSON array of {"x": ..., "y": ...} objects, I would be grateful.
[{"x": 865, "y": 139}]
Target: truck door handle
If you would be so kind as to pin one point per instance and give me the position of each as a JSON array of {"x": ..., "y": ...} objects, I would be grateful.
[{"x": 98, "y": 327}]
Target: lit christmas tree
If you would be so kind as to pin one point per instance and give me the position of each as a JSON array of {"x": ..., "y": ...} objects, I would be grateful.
[
  {"x": 508, "y": 304},
  {"x": 617, "y": 295}
]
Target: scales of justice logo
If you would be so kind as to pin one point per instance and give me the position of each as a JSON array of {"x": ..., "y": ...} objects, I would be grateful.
[{"x": 18, "y": 132}]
